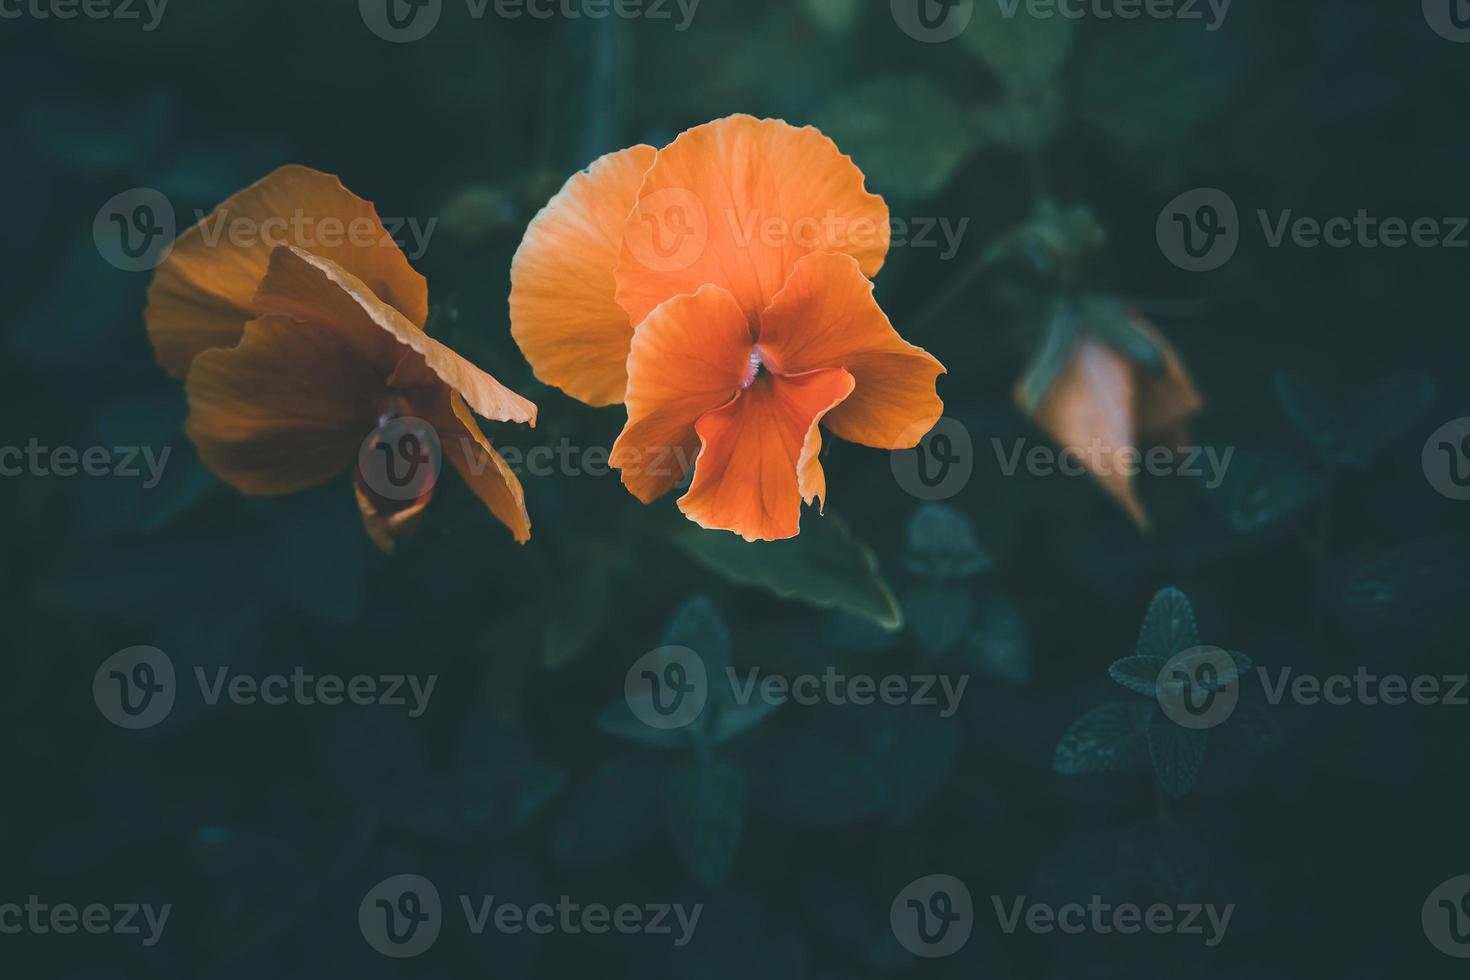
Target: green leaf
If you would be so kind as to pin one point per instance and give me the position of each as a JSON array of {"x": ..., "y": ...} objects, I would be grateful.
[
  {"x": 942, "y": 545},
  {"x": 1052, "y": 357},
  {"x": 1260, "y": 488},
  {"x": 565, "y": 638},
  {"x": 832, "y": 16},
  {"x": 704, "y": 805},
  {"x": 1113, "y": 737},
  {"x": 618, "y": 720},
  {"x": 1177, "y": 753},
  {"x": 1025, "y": 51},
  {"x": 732, "y": 719},
  {"x": 1354, "y": 433},
  {"x": 1139, "y": 674},
  {"x": 938, "y": 616},
  {"x": 824, "y": 566},
  {"x": 814, "y": 780},
  {"x": 1169, "y": 627},
  {"x": 698, "y": 625},
  {"x": 1152, "y": 84},
  {"x": 610, "y": 814},
  {"x": 905, "y": 132},
  {"x": 914, "y": 748},
  {"x": 1000, "y": 647}
]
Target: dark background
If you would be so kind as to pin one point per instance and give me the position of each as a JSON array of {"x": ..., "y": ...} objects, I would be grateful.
[{"x": 1327, "y": 827}]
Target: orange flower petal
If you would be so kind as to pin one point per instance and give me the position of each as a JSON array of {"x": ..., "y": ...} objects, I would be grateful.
[
  {"x": 484, "y": 469},
  {"x": 563, "y": 313},
  {"x": 1166, "y": 402},
  {"x": 736, "y": 203},
  {"x": 315, "y": 289},
  {"x": 688, "y": 358},
  {"x": 758, "y": 455},
  {"x": 826, "y": 317},
  {"x": 203, "y": 293},
  {"x": 284, "y": 410},
  {"x": 1091, "y": 410},
  {"x": 386, "y": 528}
]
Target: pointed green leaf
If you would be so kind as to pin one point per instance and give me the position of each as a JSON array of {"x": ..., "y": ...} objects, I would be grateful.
[
  {"x": 704, "y": 807},
  {"x": 1169, "y": 627},
  {"x": 1177, "y": 753},
  {"x": 1112, "y": 737}
]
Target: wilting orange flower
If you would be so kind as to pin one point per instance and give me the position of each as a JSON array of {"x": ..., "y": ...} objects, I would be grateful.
[
  {"x": 720, "y": 288},
  {"x": 297, "y": 325}
]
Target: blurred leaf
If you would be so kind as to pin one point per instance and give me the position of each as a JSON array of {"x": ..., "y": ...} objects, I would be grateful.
[
  {"x": 844, "y": 631},
  {"x": 618, "y": 720},
  {"x": 814, "y": 780},
  {"x": 914, "y": 748},
  {"x": 150, "y": 430},
  {"x": 501, "y": 787},
  {"x": 1112, "y": 737},
  {"x": 999, "y": 645},
  {"x": 611, "y": 813},
  {"x": 1353, "y": 433},
  {"x": 1169, "y": 626},
  {"x": 939, "y": 616},
  {"x": 704, "y": 804},
  {"x": 1026, "y": 51},
  {"x": 832, "y": 16},
  {"x": 588, "y": 595},
  {"x": 76, "y": 324},
  {"x": 1153, "y": 83},
  {"x": 732, "y": 719},
  {"x": 698, "y": 625},
  {"x": 824, "y": 566},
  {"x": 941, "y": 544},
  {"x": 1052, "y": 357},
  {"x": 1261, "y": 487},
  {"x": 1177, "y": 753},
  {"x": 92, "y": 140},
  {"x": 1139, "y": 674},
  {"x": 905, "y": 132}
]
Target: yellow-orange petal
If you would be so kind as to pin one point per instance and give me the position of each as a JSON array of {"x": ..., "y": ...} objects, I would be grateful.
[
  {"x": 481, "y": 467},
  {"x": 203, "y": 293},
  {"x": 826, "y": 317},
  {"x": 311, "y": 288},
  {"x": 736, "y": 203},
  {"x": 385, "y": 528},
  {"x": 284, "y": 410},
  {"x": 563, "y": 312},
  {"x": 1167, "y": 401},
  {"x": 758, "y": 455},
  {"x": 688, "y": 357}
]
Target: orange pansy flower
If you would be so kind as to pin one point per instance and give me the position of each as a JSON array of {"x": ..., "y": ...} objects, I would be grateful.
[
  {"x": 296, "y": 324},
  {"x": 720, "y": 288}
]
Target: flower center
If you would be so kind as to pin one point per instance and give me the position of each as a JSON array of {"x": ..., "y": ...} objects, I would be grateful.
[{"x": 752, "y": 369}]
